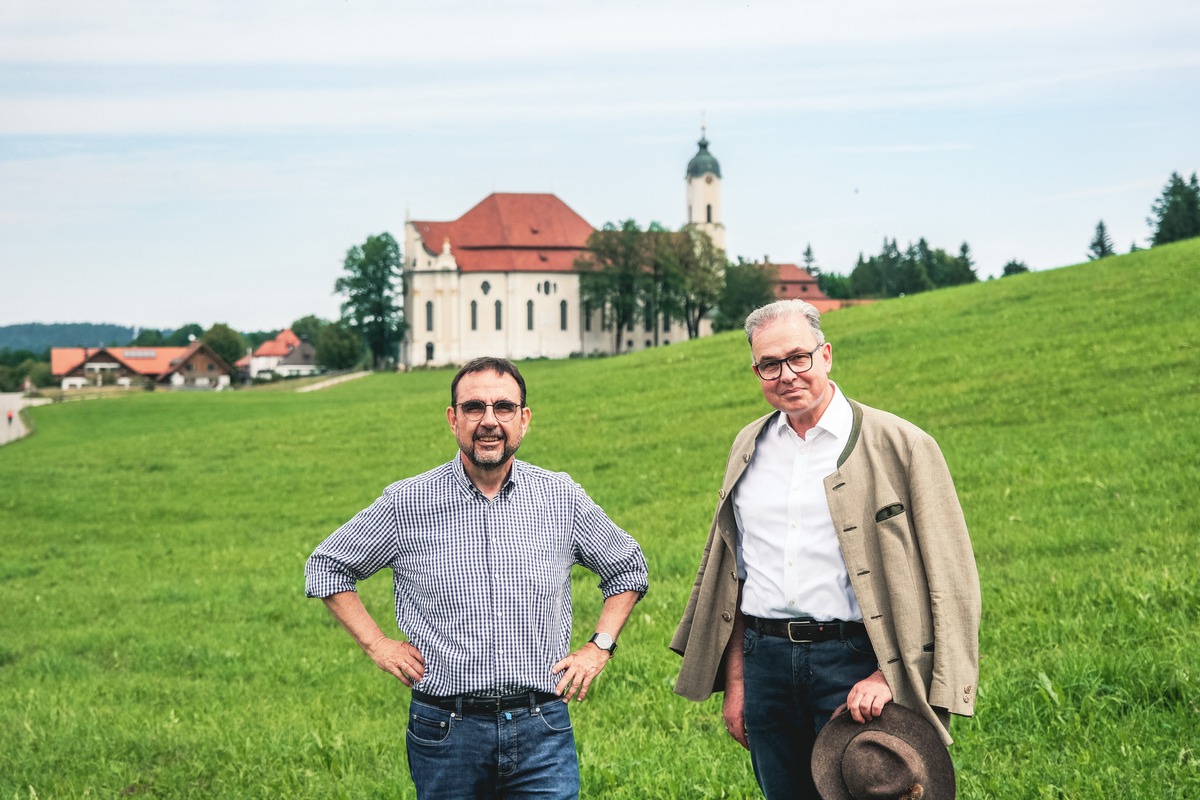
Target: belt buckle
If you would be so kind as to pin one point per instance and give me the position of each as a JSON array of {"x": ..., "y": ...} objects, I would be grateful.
[
  {"x": 792, "y": 638},
  {"x": 486, "y": 704}
]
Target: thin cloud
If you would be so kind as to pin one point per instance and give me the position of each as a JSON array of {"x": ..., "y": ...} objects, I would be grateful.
[{"x": 1099, "y": 191}]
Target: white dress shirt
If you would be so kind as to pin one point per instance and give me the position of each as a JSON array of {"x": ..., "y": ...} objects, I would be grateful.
[{"x": 788, "y": 552}]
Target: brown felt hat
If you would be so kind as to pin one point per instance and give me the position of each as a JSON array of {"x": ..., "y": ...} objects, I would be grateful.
[{"x": 896, "y": 756}]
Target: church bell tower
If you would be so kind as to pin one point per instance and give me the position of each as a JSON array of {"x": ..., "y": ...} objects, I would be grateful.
[{"x": 704, "y": 193}]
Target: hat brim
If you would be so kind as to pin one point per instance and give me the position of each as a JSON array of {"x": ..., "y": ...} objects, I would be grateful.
[{"x": 897, "y": 721}]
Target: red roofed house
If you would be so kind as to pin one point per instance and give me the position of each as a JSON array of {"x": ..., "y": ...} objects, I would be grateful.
[
  {"x": 195, "y": 366},
  {"x": 286, "y": 355},
  {"x": 796, "y": 284}
]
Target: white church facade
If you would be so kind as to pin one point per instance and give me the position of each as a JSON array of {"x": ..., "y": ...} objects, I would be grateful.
[{"x": 501, "y": 279}]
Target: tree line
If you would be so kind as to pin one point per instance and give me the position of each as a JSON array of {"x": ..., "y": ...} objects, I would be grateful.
[{"x": 629, "y": 275}]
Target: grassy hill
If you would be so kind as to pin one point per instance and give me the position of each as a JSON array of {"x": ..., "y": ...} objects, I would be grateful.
[{"x": 156, "y": 640}]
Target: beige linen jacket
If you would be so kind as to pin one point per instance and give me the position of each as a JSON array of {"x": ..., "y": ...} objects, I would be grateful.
[{"x": 907, "y": 553}]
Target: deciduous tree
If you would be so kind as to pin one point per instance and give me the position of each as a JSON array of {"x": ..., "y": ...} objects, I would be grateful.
[
  {"x": 182, "y": 336},
  {"x": 613, "y": 273},
  {"x": 747, "y": 286},
  {"x": 225, "y": 342},
  {"x": 370, "y": 286},
  {"x": 338, "y": 347},
  {"x": 1014, "y": 267},
  {"x": 702, "y": 272},
  {"x": 148, "y": 337},
  {"x": 309, "y": 327}
]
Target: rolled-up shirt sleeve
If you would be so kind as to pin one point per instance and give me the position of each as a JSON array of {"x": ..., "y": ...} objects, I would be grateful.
[
  {"x": 355, "y": 551},
  {"x": 610, "y": 552}
]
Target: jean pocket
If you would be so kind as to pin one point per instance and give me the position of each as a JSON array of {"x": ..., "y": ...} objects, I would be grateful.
[
  {"x": 749, "y": 640},
  {"x": 555, "y": 716},
  {"x": 429, "y": 725},
  {"x": 860, "y": 644}
]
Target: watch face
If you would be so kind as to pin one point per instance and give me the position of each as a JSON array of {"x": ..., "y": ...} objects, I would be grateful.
[{"x": 603, "y": 641}]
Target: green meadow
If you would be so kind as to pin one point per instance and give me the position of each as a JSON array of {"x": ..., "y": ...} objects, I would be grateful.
[{"x": 156, "y": 642}]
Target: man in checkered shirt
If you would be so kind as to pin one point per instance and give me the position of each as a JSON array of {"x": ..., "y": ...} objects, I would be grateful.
[{"x": 481, "y": 550}]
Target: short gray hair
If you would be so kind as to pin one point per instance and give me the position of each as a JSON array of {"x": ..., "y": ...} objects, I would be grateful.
[{"x": 784, "y": 309}]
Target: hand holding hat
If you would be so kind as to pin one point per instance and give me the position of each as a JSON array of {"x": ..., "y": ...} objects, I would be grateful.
[{"x": 896, "y": 756}]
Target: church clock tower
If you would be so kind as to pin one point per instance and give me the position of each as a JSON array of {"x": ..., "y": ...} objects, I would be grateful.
[{"x": 704, "y": 193}]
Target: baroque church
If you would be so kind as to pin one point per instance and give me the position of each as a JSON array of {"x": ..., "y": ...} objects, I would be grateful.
[{"x": 500, "y": 280}]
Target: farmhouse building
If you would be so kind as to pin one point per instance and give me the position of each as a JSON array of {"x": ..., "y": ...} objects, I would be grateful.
[
  {"x": 287, "y": 355},
  {"x": 796, "y": 284},
  {"x": 194, "y": 367}
]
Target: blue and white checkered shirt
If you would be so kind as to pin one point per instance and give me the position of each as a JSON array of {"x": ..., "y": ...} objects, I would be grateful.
[{"x": 483, "y": 588}]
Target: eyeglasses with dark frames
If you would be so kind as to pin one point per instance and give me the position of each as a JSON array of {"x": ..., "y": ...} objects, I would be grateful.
[
  {"x": 504, "y": 410},
  {"x": 771, "y": 368}
]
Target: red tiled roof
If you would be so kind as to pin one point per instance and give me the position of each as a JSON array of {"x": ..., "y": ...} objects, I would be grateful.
[
  {"x": 795, "y": 282},
  {"x": 64, "y": 359},
  {"x": 142, "y": 360},
  {"x": 188, "y": 352},
  {"x": 281, "y": 345},
  {"x": 511, "y": 233}
]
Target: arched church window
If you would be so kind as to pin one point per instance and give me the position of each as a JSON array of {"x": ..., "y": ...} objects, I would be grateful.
[
  {"x": 429, "y": 315},
  {"x": 474, "y": 315},
  {"x": 529, "y": 315},
  {"x": 429, "y": 351},
  {"x": 708, "y": 212},
  {"x": 485, "y": 287},
  {"x": 499, "y": 315},
  {"x": 562, "y": 315}
]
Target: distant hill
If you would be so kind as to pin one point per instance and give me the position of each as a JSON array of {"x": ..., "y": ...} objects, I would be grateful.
[{"x": 37, "y": 336}]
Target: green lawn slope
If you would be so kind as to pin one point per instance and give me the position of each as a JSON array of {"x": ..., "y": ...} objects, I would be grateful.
[{"x": 155, "y": 640}]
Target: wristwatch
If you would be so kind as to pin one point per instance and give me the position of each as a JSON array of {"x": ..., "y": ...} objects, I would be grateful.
[{"x": 605, "y": 643}]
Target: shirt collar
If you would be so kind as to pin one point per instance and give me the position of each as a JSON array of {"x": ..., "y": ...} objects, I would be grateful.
[{"x": 460, "y": 475}]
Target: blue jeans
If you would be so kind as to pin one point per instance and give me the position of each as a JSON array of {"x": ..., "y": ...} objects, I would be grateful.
[
  {"x": 791, "y": 691},
  {"x": 526, "y": 752}
]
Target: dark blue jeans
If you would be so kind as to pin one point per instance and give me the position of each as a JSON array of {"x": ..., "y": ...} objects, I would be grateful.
[
  {"x": 791, "y": 691},
  {"x": 523, "y": 753}
]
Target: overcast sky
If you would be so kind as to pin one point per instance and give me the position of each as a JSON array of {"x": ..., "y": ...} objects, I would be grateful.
[{"x": 172, "y": 162}]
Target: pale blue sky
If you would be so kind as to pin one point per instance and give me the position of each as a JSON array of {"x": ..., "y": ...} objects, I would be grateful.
[{"x": 164, "y": 163}]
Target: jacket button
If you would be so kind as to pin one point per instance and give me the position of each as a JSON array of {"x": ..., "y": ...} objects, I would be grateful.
[
  {"x": 721, "y": 493},
  {"x": 746, "y": 458},
  {"x": 725, "y": 615}
]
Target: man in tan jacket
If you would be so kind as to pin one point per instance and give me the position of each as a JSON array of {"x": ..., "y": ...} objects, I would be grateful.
[{"x": 838, "y": 574}]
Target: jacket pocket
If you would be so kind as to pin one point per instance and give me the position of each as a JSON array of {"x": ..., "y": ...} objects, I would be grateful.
[{"x": 887, "y": 512}]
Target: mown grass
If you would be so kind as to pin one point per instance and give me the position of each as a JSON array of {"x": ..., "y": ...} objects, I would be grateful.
[{"x": 155, "y": 640}]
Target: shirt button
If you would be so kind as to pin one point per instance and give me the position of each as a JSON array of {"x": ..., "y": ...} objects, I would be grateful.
[{"x": 792, "y": 603}]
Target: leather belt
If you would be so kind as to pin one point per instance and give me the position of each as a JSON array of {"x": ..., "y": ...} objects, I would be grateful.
[
  {"x": 484, "y": 704},
  {"x": 800, "y": 631}
]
